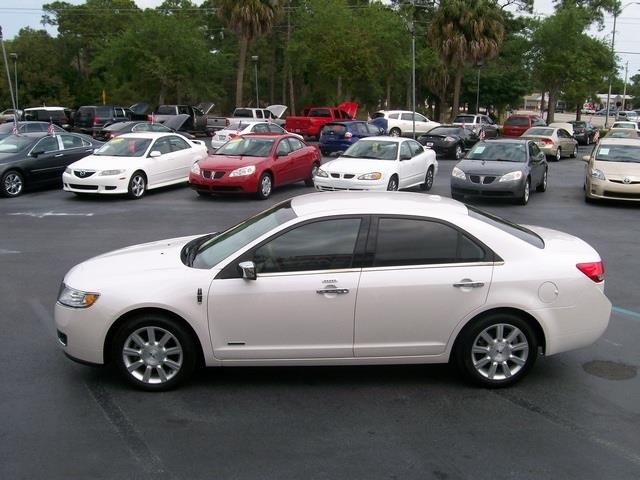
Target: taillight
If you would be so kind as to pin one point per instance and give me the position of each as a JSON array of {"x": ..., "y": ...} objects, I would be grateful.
[
  {"x": 547, "y": 141},
  {"x": 149, "y": 118},
  {"x": 96, "y": 121},
  {"x": 348, "y": 135},
  {"x": 593, "y": 270}
]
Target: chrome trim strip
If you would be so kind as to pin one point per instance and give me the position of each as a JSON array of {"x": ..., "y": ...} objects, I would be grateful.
[
  {"x": 309, "y": 272},
  {"x": 434, "y": 265}
]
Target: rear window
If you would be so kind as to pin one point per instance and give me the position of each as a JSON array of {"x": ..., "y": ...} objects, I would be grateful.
[
  {"x": 104, "y": 112},
  {"x": 320, "y": 112},
  {"x": 334, "y": 128},
  {"x": 85, "y": 112},
  {"x": 464, "y": 119},
  {"x": 579, "y": 124},
  {"x": 166, "y": 110},
  {"x": 377, "y": 115},
  {"x": 517, "y": 121},
  {"x": 547, "y": 132},
  {"x": 117, "y": 126},
  {"x": 243, "y": 113},
  {"x": 514, "y": 229}
]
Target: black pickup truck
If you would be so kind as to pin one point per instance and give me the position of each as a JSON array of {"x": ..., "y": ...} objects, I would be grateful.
[{"x": 195, "y": 123}]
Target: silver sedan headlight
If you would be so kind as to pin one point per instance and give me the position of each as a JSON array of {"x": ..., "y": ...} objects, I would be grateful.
[
  {"x": 599, "y": 174},
  {"x": 243, "y": 171},
  {"x": 107, "y": 173},
  {"x": 511, "y": 176},
  {"x": 73, "y": 298},
  {"x": 321, "y": 173},
  {"x": 458, "y": 173},
  {"x": 370, "y": 176}
]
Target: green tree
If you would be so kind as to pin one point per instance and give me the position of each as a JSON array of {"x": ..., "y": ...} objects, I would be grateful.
[
  {"x": 248, "y": 19},
  {"x": 466, "y": 32}
]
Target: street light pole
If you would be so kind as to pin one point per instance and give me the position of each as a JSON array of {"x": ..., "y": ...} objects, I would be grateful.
[
  {"x": 6, "y": 64},
  {"x": 478, "y": 65},
  {"x": 14, "y": 57},
  {"x": 413, "y": 77},
  {"x": 255, "y": 67},
  {"x": 624, "y": 91}
]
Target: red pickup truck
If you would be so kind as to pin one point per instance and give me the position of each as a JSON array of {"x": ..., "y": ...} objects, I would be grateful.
[{"x": 314, "y": 118}]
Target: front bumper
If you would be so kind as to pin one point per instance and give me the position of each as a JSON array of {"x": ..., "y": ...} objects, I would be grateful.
[
  {"x": 328, "y": 184},
  {"x": 111, "y": 184},
  {"x": 607, "y": 189},
  {"x": 84, "y": 331},
  {"x": 514, "y": 188},
  {"x": 226, "y": 184}
]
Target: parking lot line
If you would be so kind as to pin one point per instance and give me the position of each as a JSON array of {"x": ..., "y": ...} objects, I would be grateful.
[{"x": 628, "y": 313}]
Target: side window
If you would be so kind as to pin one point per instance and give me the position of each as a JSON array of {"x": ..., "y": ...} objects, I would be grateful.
[
  {"x": 407, "y": 116},
  {"x": 533, "y": 150},
  {"x": 259, "y": 114},
  {"x": 47, "y": 144},
  {"x": 536, "y": 150},
  {"x": 324, "y": 245},
  {"x": 275, "y": 128},
  {"x": 157, "y": 127},
  {"x": 178, "y": 144},
  {"x": 71, "y": 141},
  {"x": 362, "y": 129},
  {"x": 373, "y": 130},
  {"x": 183, "y": 109},
  {"x": 420, "y": 118},
  {"x": 405, "y": 151},
  {"x": 416, "y": 148},
  {"x": 295, "y": 144},
  {"x": 394, "y": 116},
  {"x": 141, "y": 127},
  {"x": 283, "y": 148},
  {"x": 162, "y": 145},
  {"x": 33, "y": 127},
  {"x": 260, "y": 128},
  {"x": 422, "y": 242}
]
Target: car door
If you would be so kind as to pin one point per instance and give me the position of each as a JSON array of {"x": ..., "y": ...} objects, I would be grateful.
[
  {"x": 410, "y": 166},
  {"x": 161, "y": 168},
  {"x": 301, "y": 305},
  {"x": 426, "y": 276},
  {"x": 48, "y": 163},
  {"x": 568, "y": 142},
  {"x": 406, "y": 123},
  {"x": 283, "y": 163},
  {"x": 74, "y": 148},
  {"x": 536, "y": 164},
  {"x": 490, "y": 128},
  {"x": 422, "y": 123},
  {"x": 300, "y": 159},
  {"x": 182, "y": 158}
]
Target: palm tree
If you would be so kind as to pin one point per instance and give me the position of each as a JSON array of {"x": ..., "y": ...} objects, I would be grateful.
[
  {"x": 248, "y": 19},
  {"x": 466, "y": 32}
]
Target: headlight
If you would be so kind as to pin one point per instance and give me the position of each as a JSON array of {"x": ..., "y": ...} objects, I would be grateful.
[
  {"x": 195, "y": 168},
  {"x": 105, "y": 173},
  {"x": 243, "y": 171},
  {"x": 370, "y": 176},
  {"x": 595, "y": 173},
  {"x": 449, "y": 139},
  {"x": 511, "y": 176},
  {"x": 457, "y": 173},
  {"x": 73, "y": 298},
  {"x": 321, "y": 173},
  {"x": 68, "y": 170}
]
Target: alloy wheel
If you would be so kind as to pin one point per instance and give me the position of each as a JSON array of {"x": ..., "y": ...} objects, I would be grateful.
[
  {"x": 393, "y": 185},
  {"x": 458, "y": 152},
  {"x": 265, "y": 186},
  {"x": 152, "y": 355},
  {"x": 500, "y": 351},
  {"x": 137, "y": 185},
  {"x": 13, "y": 184}
]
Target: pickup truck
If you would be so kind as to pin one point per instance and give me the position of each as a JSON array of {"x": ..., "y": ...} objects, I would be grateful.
[
  {"x": 272, "y": 113},
  {"x": 197, "y": 122},
  {"x": 313, "y": 119},
  {"x": 214, "y": 122}
]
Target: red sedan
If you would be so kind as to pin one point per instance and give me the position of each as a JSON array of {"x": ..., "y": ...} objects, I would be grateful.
[{"x": 255, "y": 164}]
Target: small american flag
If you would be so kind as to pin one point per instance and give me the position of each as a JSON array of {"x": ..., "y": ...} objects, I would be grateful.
[
  {"x": 596, "y": 136},
  {"x": 50, "y": 129},
  {"x": 482, "y": 135},
  {"x": 14, "y": 130}
]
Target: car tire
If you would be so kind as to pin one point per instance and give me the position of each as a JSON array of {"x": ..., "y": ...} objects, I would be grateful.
[
  {"x": 510, "y": 344},
  {"x": 458, "y": 152},
  {"x": 12, "y": 184},
  {"x": 428, "y": 180},
  {"x": 558, "y": 155},
  {"x": 526, "y": 192},
  {"x": 574, "y": 154},
  {"x": 543, "y": 184},
  {"x": 314, "y": 168},
  {"x": 265, "y": 186},
  {"x": 154, "y": 352},
  {"x": 392, "y": 186},
  {"x": 137, "y": 185},
  {"x": 395, "y": 132}
]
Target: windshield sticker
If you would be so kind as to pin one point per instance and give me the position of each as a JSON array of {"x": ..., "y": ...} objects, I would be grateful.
[
  {"x": 479, "y": 149},
  {"x": 115, "y": 141},
  {"x": 603, "y": 151},
  {"x": 375, "y": 147}
]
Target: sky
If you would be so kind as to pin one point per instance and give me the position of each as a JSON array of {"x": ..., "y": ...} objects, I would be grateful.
[{"x": 16, "y": 14}]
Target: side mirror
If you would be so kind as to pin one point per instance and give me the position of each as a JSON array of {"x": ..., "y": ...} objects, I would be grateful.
[
  {"x": 586, "y": 158},
  {"x": 248, "y": 270},
  {"x": 154, "y": 154},
  {"x": 35, "y": 153}
]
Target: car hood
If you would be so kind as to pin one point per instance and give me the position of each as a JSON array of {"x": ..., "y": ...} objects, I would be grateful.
[
  {"x": 175, "y": 122},
  {"x": 102, "y": 162},
  {"x": 618, "y": 168},
  {"x": 358, "y": 165},
  {"x": 128, "y": 262},
  {"x": 277, "y": 110},
  {"x": 229, "y": 162},
  {"x": 350, "y": 107},
  {"x": 489, "y": 167}
]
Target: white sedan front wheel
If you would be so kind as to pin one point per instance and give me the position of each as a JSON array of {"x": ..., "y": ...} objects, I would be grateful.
[{"x": 137, "y": 185}]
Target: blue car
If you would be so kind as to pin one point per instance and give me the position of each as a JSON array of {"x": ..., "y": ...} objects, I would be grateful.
[{"x": 336, "y": 137}]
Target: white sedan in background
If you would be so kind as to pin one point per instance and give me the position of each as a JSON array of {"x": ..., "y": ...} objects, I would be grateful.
[
  {"x": 242, "y": 127},
  {"x": 379, "y": 163},
  {"x": 134, "y": 163},
  {"x": 300, "y": 284}
]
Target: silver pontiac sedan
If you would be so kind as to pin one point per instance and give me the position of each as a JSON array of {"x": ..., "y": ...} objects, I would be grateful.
[
  {"x": 501, "y": 168},
  {"x": 554, "y": 142}
]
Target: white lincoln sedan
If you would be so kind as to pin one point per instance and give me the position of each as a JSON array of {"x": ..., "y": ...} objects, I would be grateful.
[
  {"x": 134, "y": 163},
  {"x": 338, "y": 279},
  {"x": 379, "y": 163}
]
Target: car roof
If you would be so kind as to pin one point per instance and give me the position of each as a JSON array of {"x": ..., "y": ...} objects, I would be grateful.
[
  {"x": 510, "y": 140},
  {"x": 407, "y": 203},
  {"x": 150, "y": 135},
  {"x": 620, "y": 141},
  {"x": 48, "y": 109}
]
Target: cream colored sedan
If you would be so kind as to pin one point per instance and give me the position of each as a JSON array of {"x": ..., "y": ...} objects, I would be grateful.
[
  {"x": 554, "y": 142},
  {"x": 613, "y": 170}
]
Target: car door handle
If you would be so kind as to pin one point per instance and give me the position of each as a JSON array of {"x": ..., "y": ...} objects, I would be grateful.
[
  {"x": 469, "y": 284},
  {"x": 59, "y": 155},
  {"x": 339, "y": 291}
]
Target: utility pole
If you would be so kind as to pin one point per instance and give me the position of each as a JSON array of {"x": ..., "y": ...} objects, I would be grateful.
[
  {"x": 624, "y": 92},
  {"x": 6, "y": 65},
  {"x": 14, "y": 57},
  {"x": 613, "y": 43},
  {"x": 413, "y": 69}
]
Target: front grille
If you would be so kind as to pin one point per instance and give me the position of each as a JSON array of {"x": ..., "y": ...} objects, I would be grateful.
[
  {"x": 335, "y": 175},
  {"x": 634, "y": 196},
  {"x": 337, "y": 189},
  {"x": 83, "y": 187},
  {"x": 225, "y": 189},
  {"x": 482, "y": 179},
  {"x": 82, "y": 173},
  {"x": 623, "y": 183},
  {"x": 212, "y": 174},
  {"x": 348, "y": 175}
]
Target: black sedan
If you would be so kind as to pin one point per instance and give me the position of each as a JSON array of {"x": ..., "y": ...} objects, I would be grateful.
[
  {"x": 34, "y": 159},
  {"x": 449, "y": 141},
  {"x": 120, "y": 128},
  {"x": 501, "y": 168},
  {"x": 584, "y": 132}
]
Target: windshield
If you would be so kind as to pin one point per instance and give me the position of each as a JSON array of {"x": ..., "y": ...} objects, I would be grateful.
[
  {"x": 579, "y": 124},
  {"x": 208, "y": 253},
  {"x": 247, "y": 147},
  {"x": 15, "y": 143},
  {"x": 618, "y": 153},
  {"x": 373, "y": 149},
  {"x": 124, "y": 147},
  {"x": 444, "y": 131},
  {"x": 624, "y": 125},
  {"x": 166, "y": 110},
  {"x": 545, "y": 132},
  {"x": 498, "y": 152},
  {"x": 520, "y": 121},
  {"x": 117, "y": 126},
  {"x": 464, "y": 119},
  {"x": 237, "y": 126}
]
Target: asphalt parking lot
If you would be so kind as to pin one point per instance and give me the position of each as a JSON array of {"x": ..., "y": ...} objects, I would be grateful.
[{"x": 576, "y": 416}]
